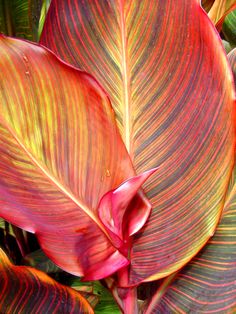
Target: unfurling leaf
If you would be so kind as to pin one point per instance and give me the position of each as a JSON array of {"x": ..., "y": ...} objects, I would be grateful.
[{"x": 123, "y": 211}]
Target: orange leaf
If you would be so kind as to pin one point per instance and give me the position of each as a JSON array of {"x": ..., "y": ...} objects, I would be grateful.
[
  {"x": 58, "y": 140},
  {"x": 27, "y": 290}
]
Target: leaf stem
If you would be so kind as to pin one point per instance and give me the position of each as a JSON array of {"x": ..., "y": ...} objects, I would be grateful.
[{"x": 129, "y": 300}]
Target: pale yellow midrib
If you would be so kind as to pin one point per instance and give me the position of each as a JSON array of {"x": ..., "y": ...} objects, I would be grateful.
[
  {"x": 125, "y": 80},
  {"x": 57, "y": 184}
]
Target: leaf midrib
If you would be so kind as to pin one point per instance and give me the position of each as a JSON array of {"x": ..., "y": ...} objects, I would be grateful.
[{"x": 125, "y": 79}]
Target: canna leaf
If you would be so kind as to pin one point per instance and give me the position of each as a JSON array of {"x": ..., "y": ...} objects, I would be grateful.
[
  {"x": 229, "y": 28},
  {"x": 27, "y": 290},
  {"x": 227, "y": 46},
  {"x": 20, "y": 18},
  {"x": 40, "y": 261},
  {"x": 2, "y": 223},
  {"x": 43, "y": 13},
  {"x": 208, "y": 283},
  {"x": 166, "y": 72},
  {"x": 219, "y": 10},
  {"x": 58, "y": 141},
  {"x": 106, "y": 304}
]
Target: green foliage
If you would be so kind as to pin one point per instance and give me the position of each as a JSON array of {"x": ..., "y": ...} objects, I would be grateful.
[
  {"x": 106, "y": 304},
  {"x": 20, "y": 18},
  {"x": 229, "y": 29}
]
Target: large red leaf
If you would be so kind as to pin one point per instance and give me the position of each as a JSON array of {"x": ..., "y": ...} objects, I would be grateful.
[
  {"x": 60, "y": 152},
  {"x": 208, "y": 283},
  {"x": 166, "y": 73},
  {"x": 27, "y": 290}
]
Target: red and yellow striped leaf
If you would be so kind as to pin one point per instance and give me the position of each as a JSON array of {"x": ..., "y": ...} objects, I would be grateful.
[
  {"x": 27, "y": 290},
  {"x": 208, "y": 283},
  {"x": 60, "y": 152},
  {"x": 166, "y": 73}
]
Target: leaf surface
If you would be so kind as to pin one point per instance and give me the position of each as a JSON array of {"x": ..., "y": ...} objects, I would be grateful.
[
  {"x": 208, "y": 283},
  {"x": 229, "y": 28},
  {"x": 60, "y": 152},
  {"x": 27, "y": 290},
  {"x": 40, "y": 261},
  {"x": 166, "y": 73}
]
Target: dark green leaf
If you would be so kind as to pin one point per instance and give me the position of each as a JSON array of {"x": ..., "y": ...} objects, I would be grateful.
[
  {"x": 40, "y": 261},
  {"x": 229, "y": 28},
  {"x": 20, "y": 18}
]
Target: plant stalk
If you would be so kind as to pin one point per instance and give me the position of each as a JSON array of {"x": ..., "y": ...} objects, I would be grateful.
[
  {"x": 127, "y": 295},
  {"x": 126, "y": 298},
  {"x": 129, "y": 300}
]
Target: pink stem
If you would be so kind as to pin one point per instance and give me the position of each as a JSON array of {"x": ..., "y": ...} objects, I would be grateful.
[
  {"x": 129, "y": 300},
  {"x": 126, "y": 298},
  {"x": 127, "y": 295}
]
